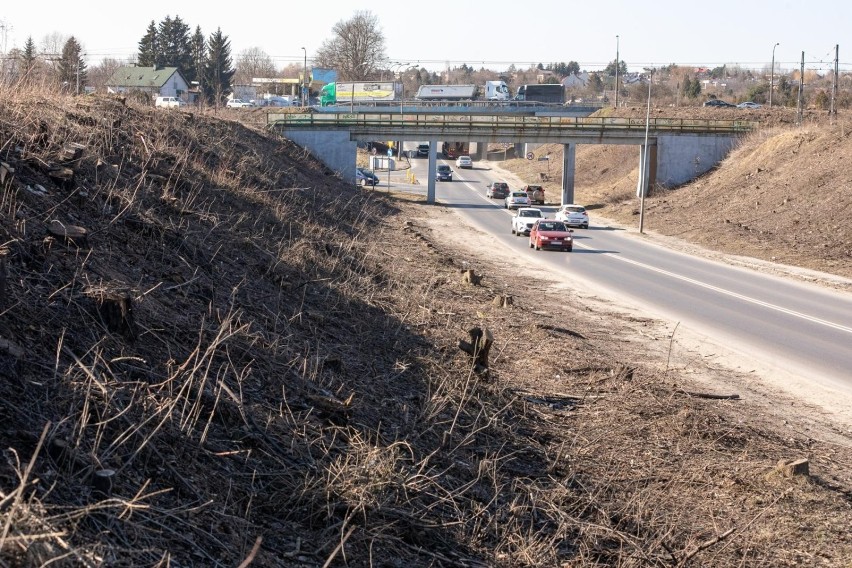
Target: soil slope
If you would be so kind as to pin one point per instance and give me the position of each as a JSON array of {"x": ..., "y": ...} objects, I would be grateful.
[{"x": 215, "y": 353}]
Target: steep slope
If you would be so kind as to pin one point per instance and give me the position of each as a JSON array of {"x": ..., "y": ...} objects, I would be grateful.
[{"x": 243, "y": 359}]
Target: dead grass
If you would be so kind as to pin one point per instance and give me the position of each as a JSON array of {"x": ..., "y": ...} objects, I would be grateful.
[{"x": 288, "y": 388}]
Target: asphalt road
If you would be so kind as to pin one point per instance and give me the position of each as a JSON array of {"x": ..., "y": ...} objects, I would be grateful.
[{"x": 800, "y": 329}]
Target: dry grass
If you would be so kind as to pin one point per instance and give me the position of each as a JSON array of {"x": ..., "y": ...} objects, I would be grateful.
[{"x": 288, "y": 391}]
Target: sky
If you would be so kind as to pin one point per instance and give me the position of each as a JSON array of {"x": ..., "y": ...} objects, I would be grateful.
[{"x": 491, "y": 34}]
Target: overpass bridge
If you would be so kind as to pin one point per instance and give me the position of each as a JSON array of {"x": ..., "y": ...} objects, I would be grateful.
[{"x": 678, "y": 150}]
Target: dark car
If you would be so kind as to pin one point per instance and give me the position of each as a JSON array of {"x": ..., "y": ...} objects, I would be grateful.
[
  {"x": 497, "y": 190},
  {"x": 423, "y": 150},
  {"x": 364, "y": 177},
  {"x": 719, "y": 103},
  {"x": 444, "y": 173}
]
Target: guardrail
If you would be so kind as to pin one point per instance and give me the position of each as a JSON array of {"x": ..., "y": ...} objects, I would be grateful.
[{"x": 457, "y": 121}]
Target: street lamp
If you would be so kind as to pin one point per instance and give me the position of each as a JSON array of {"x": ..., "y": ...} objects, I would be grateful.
[
  {"x": 616, "y": 71},
  {"x": 772, "y": 75},
  {"x": 305, "y": 81}
]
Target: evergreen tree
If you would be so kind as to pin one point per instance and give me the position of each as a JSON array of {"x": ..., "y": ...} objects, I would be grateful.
[
  {"x": 199, "y": 57},
  {"x": 148, "y": 47},
  {"x": 219, "y": 68},
  {"x": 175, "y": 46},
  {"x": 28, "y": 58},
  {"x": 72, "y": 67}
]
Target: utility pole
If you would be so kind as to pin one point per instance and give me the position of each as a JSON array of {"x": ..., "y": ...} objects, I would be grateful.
[
  {"x": 616, "y": 71},
  {"x": 799, "y": 106},
  {"x": 305, "y": 88},
  {"x": 834, "y": 81},
  {"x": 772, "y": 75}
]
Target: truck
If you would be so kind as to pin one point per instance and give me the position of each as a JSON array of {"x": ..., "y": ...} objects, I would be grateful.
[
  {"x": 491, "y": 91},
  {"x": 544, "y": 93},
  {"x": 452, "y": 150},
  {"x": 447, "y": 93},
  {"x": 360, "y": 92}
]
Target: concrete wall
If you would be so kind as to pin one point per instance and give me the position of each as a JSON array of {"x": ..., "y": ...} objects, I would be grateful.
[
  {"x": 685, "y": 157},
  {"x": 333, "y": 148}
]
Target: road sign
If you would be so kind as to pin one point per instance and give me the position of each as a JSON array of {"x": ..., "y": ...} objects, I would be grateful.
[
  {"x": 543, "y": 158},
  {"x": 530, "y": 155}
]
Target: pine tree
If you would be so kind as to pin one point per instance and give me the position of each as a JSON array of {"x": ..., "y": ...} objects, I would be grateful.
[
  {"x": 148, "y": 47},
  {"x": 175, "y": 46},
  {"x": 28, "y": 58},
  {"x": 72, "y": 67},
  {"x": 219, "y": 68},
  {"x": 199, "y": 57}
]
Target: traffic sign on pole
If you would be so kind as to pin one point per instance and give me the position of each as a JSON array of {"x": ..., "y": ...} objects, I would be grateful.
[{"x": 530, "y": 155}]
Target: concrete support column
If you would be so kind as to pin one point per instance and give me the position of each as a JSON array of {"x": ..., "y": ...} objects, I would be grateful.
[
  {"x": 569, "y": 154},
  {"x": 647, "y": 170},
  {"x": 430, "y": 171}
]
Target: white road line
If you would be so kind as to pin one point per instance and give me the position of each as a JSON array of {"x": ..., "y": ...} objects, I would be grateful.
[{"x": 728, "y": 292}]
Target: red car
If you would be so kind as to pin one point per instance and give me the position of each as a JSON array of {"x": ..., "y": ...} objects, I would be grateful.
[{"x": 549, "y": 233}]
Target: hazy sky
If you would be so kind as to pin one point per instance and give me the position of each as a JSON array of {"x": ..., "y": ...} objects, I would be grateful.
[{"x": 483, "y": 33}]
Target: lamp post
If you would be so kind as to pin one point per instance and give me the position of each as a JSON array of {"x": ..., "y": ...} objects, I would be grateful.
[
  {"x": 305, "y": 81},
  {"x": 616, "y": 71},
  {"x": 772, "y": 75}
]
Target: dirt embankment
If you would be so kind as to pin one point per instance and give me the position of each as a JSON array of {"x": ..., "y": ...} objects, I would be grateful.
[{"x": 213, "y": 351}]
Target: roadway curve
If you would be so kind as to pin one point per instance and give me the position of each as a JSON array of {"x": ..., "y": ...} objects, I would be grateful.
[{"x": 795, "y": 328}]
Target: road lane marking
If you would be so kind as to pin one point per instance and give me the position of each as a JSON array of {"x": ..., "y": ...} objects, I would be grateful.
[{"x": 728, "y": 292}]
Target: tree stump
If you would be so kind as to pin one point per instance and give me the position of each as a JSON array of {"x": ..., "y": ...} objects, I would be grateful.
[
  {"x": 102, "y": 482},
  {"x": 503, "y": 301},
  {"x": 116, "y": 311},
  {"x": 794, "y": 467},
  {"x": 478, "y": 348},
  {"x": 470, "y": 277},
  {"x": 69, "y": 234}
]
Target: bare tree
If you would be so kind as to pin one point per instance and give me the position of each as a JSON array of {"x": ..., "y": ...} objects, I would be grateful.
[
  {"x": 251, "y": 63},
  {"x": 99, "y": 74},
  {"x": 357, "y": 48}
]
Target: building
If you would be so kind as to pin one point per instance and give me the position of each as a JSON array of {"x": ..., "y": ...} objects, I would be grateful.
[{"x": 156, "y": 81}]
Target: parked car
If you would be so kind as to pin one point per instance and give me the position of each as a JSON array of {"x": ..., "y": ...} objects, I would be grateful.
[
  {"x": 497, "y": 190},
  {"x": 517, "y": 199},
  {"x": 168, "y": 102},
  {"x": 573, "y": 216},
  {"x": 443, "y": 173},
  {"x": 550, "y": 233},
  {"x": 749, "y": 104},
  {"x": 238, "y": 103},
  {"x": 523, "y": 221},
  {"x": 719, "y": 103},
  {"x": 464, "y": 162},
  {"x": 535, "y": 193},
  {"x": 365, "y": 177},
  {"x": 423, "y": 150}
]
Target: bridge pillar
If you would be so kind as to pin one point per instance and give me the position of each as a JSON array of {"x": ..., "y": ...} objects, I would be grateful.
[
  {"x": 569, "y": 153},
  {"x": 430, "y": 171},
  {"x": 646, "y": 178}
]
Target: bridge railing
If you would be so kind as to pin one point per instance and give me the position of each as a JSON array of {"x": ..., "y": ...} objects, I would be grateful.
[{"x": 368, "y": 119}]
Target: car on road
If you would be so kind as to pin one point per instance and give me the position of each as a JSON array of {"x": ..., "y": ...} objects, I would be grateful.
[
  {"x": 550, "y": 233},
  {"x": 497, "y": 190},
  {"x": 423, "y": 150},
  {"x": 749, "y": 104},
  {"x": 535, "y": 193},
  {"x": 464, "y": 162},
  {"x": 517, "y": 199},
  {"x": 365, "y": 177},
  {"x": 525, "y": 218},
  {"x": 239, "y": 103},
  {"x": 573, "y": 215},
  {"x": 719, "y": 103},
  {"x": 443, "y": 173}
]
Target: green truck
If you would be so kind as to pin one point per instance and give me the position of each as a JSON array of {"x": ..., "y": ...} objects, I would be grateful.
[{"x": 360, "y": 92}]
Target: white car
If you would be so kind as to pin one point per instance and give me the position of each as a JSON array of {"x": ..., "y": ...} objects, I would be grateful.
[
  {"x": 749, "y": 104},
  {"x": 525, "y": 219},
  {"x": 573, "y": 216},
  {"x": 238, "y": 103},
  {"x": 168, "y": 102},
  {"x": 464, "y": 162},
  {"x": 517, "y": 199}
]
